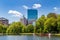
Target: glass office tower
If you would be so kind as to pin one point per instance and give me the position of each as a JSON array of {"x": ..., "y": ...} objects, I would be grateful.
[{"x": 32, "y": 15}]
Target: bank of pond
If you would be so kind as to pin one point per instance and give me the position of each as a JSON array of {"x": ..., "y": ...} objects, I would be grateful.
[{"x": 37, "y": 34}]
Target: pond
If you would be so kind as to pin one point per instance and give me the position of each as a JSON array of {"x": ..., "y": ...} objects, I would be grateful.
[{"x": 28, "y": 37}]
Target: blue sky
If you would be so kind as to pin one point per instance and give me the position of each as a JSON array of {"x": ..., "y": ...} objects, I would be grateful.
[{"x": 13, "y": 9}]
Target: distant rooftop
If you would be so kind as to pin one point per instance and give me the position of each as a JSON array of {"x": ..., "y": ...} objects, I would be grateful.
[{"x": 2, "y": 18}]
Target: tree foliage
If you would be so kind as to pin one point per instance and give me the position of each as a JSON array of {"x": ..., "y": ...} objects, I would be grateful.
[
  {"x": 3, "y": 28},
  {"x": 58, "y": 22},
  {"x": 50, "y": 25},
  {"x": 30, "y": 28},
  {"x": 40, "y": 24},
  {"x": 52, "y": 15},
  {"x": 15, "y": 28}
]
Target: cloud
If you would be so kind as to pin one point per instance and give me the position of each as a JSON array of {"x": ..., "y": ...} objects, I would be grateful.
[
  {"x": 15, "y": 13},
  {"x": 55, "y": 8},
  {"x": 26, "y": 7},
  {"x": 35, "y": 6}
]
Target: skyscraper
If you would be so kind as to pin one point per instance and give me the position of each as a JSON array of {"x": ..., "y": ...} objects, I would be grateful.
[
  {"x": 23, "y": 20},
  {"x": 32, "y": 15}
]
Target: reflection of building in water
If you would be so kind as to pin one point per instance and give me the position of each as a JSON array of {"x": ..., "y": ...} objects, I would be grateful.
[
  {"x": 24, "y": 20},
  {"x": 4, "y": 21},
  {"x": 32, "y": 15}
]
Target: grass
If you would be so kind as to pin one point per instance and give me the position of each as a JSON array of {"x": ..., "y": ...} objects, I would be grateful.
[{"x": 56, "y": 34}]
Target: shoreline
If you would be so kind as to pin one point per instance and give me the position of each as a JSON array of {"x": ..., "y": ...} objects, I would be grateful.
[{"x": 39, "y": 34}]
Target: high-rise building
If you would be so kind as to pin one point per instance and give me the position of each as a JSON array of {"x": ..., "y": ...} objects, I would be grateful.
[
  {"x": 4, "y": 21},
  {"x": 32, "y": 15},
  {"x": 23, "y": 20}
]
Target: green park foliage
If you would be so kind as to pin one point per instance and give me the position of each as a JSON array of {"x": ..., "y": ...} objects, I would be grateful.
[{"x": 44, "y": 24}]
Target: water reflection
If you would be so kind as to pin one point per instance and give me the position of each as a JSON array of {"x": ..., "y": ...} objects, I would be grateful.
[
  {"x": 28, "y": 37},
  {"x": 55, "y": 38},
  {"x": 47, "y": 38},
  {"x": 16, "y": 38}
]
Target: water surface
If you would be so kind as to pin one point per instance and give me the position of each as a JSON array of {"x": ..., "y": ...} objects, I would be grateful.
[{"x": 28, "y": 37}]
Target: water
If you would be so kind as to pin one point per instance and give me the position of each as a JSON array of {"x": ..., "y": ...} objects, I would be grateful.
[{"x": 28, "y": 37}]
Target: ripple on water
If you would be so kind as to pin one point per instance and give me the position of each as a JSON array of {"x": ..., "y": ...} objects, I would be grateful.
[{"x": 28, "y": 37}]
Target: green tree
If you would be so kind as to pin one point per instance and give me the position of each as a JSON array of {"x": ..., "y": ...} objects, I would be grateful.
[
  {"x": 58, "y": 22},
  {"x": 50, "y": 25},
  {"x": 52, "y": 15},
  {"x": 30, "y": 28},
  {"x": 24, "y": 29},
  {"x": 40, "y": 24},
  {"x": 15, "y": 28},
  {"x": 3, "y": 28}
]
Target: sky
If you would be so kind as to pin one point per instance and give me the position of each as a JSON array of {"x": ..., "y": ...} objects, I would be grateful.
[{"x": 13, "y": 10}]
